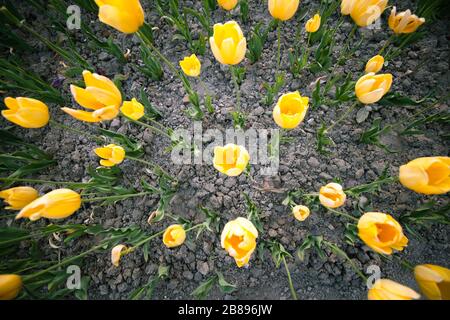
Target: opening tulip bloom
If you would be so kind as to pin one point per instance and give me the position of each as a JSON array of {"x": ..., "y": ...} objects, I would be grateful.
[
  {"x": 375, "y": 64},
  {"x": 300, "y": 212},
  {"x": 370, "y": 88},
  {"x": 133, "y": 109},
  {"x": 434, "y": 281},
  {"x": 18, "y": 197},
  {"x": 10, "y": 285},
  {"x": 381, "y": 232},
  {"x": 230, "y": 159},
  {"x": 290, "y": 110},
  {"x": 363, "y": 12},
  {"x": 228, "y": 43},
  {"x": 227, "y": 4},
  {"x": 174, "y": 236},
  {"x": 111, "y": 155},
  {"x": 125, "y": 16},
  {"x": 116, "y": 254},
  {"x": 313, "y": 24},
  {"x": 238, "y": 238},
  {"x": 57, "y": 204},
  {"x": 404, "y": 22},
  {"x": 191, "y": 66},
  {"x": 100, "y": 95},
  {"x": 26, "y": 112},
  {"x": 427, "y": 175},
  {"x": 283, "y": 9},
  {"x": 385, "y": 289},
  {"x": 332, "y": 195}
]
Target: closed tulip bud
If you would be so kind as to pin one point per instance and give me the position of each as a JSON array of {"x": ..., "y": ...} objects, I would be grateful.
[
  {"x": 364, "y": 12},
  {"x": 18, "y": 197},
  {"x": 427, "y": 175},
  {"x": 434, "y": 281},
  {"x": 332, "y": 195},
  {"x": 381, "y": 232},
  {"x": 385, "y": 289},
  {"x": 238, "y": 238},
  {"x": 375, "y": 64},
  {"x": 133, "y": 109},
  {"x": 228, "y": 43},
  {"x": 191, "y": 66},
  {"x": 26, "y": 112},
  {"x": 227, "y": 4},
  {"x": 290, "y": 110},
  {"x": 230, "y": 159},
  {"x": 100, "y": 95},
  {"x": 283, "y": 9},
  {"x": 10, "y": 285},
  {"x": 116, "y": 254},
  {"x": 300, "y": 212},
  {"x": 313, "y": 24},
  {"x": 125, "y": 16},
  {"x": 174, "y": 236},
  {"x": 111, "y": 155},
  {"x": 370, "y": 88},
  {"x": 404, "y": 22},
  {"x": 57, "y": 204}
]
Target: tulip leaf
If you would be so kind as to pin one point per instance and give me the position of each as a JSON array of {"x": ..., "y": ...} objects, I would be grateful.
[
  {"x": 202, "y": 291},
  {"x": 224, "y": 285}
]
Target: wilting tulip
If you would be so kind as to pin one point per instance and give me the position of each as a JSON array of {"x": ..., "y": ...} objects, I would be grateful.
[
  {"x": 283, "y": 9},
  {"x": 363, "y": 12},
  {"x": 125, "y": 16},
  {"x": 404, "y": 22},
  {"x": 26, "y": 112},
  {"x": 290, "y": 110},
  {"x": 300, "y": 212},
  {"x": 57, "y": 204},
  {"x": 381, "y": 232},
  {"x": 370, "y": 88},
  {"x": 239, "y": 240},
  {"x": 434, "y": 281},
  {"x": 111, "y": 155},
  {"x": 133, "y": 109},
  {"x": 230, "y": 159},
  {"x": 191, "y": 66},
  {"x": 10, "y": 285},
  {"x": 427, "y": 175},
  {"x": 375, "y": 64},
  {"x": 227, "y": 4},
  {"x": 385, "y": 289},
  {"x": 101, "y": 95},
  {"x": 332, "y": 195},
  {"x": 228, "y": 43},
  {"x": 18, "y": 197},
  {"x": 174, "y": 236},
  {"x": 313, "y": 24},
  {"x": 116, "y": 254}
]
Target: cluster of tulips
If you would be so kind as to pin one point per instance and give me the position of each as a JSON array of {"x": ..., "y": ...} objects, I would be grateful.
[{"x": 380, "y": 231}]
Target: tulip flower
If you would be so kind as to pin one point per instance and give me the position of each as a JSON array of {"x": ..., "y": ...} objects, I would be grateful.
[
  {"x": 283, "y": 9},
  {"x": 385, "y": 289},
  {"x": 290, "y": 110},
  {"x": 191, "y": 66},
  {"x": 228, "y": 43},
  {"x": 427, "y": 175},
  {"x": 230, "y": 159},
  {"x": 300, "y": 212},
  {"x": 174, "y": 236},
  {"x": 100, "y": 95},
  {"x": 18, "y": 197},
  {"x": 363, "y": 12},
  {"x": 381, "y": 232},
  {"x": 133, "y": 109},
  {"x": 239, "y": 240},
  {"x": 375, "y": 64},
  {"x": 227, "y": 4},
  {"x": 370, "y": 88},
  {"x": 332, "y": 195},
  {"x": 57, "y": 204},
  {"x": 26, "y": 112},
  {"x": 434, "y": 281},
  {"x": 125, "y": 16},
  {"x": 313, "y": 24},
  {"x": 116, "y": 254},
  {"x": 10, "y": 285},
  {"x": 404, "y": 22},
  {"x": 111, "y": 155}
]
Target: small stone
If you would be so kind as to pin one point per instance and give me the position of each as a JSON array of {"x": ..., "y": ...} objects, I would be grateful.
[
  {"x": 203, "y": 267},
  {"x": 362, "y": 115},
  {"x": 313, "y": 162}
]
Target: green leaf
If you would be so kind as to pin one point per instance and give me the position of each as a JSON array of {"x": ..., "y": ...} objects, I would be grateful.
[
  {"x": 202, "y": 291},
  {"x": 225, "y": 286}
]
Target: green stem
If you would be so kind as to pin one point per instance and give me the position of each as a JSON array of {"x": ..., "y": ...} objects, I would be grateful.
[
  {"x": 291, "y": 286},
  {"x": 117, "y": 197},
  {"x": 388, "y": 42},
  {"x": 98, "y": 139},
  {"x": 279, "y": 45},
  {"x": 150, "y": 164},
  {"x": 237, "y": 89},
  {"x": 345, "y": 115},
  {"x": 71, "y": 183},
  {"x": 149, "y": 126},
  {"x": 342, "y": 214}
]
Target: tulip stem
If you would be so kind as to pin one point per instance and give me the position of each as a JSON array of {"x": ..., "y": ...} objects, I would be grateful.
[
  {"x": 98, "y": 139},
  {"x": 291, "y": 285},
  {"x": 237, "y": 89},
  {"x": 388, "y": 42},
  {"x": 279, "y": 45},
  {"x": 342, "y": 214},
  {"x": 153, "y": 165},
  {"x": 149, "y": 126},
  {"x": 345, "y": 115},
  {"x": 117, "y": 197},
  {"x": 71, "y": 183}
]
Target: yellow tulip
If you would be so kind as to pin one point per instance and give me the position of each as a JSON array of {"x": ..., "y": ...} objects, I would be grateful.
[
  {"x": 26, "y": 112},
  {"x": 370, "y": 88},
  {"x": 283, "y": 9},
  {"x": 375, "y": 64},
  {"x": 238, "y": 238},
  {"x": 111, "y": 155},
  {"x": 290, "y": 110},
  {"x": 381, "y": 232},
  {"x": 230, "y": 159},
  {"x": 116, "y": 254},
  {"x": 228, "y": 43},
  {"x": 300, "y": 212},
  {"x": 404, "y": 22},
  {"x": 125, "y": 16},
  {"x": 427, "y": 175},
  {"x": 191, "y": 66},
  {"x": 227, "y": 4},
  {"x": 332, "y": 195},
  {"x": 100, "y": 95},
  {"x": 133, "y": 109},
  {"x": 57, "y": 204},
  {"x": 363, "y": 12},
  {"x": 18, "y": 197},
  {"x": 313, "y": 24},
  {"x": 385, "y": 289},
  {"x": 174, "y": 236},
  {"x": 10, "y": 285},
  {"x": 434, "y": 281}
]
